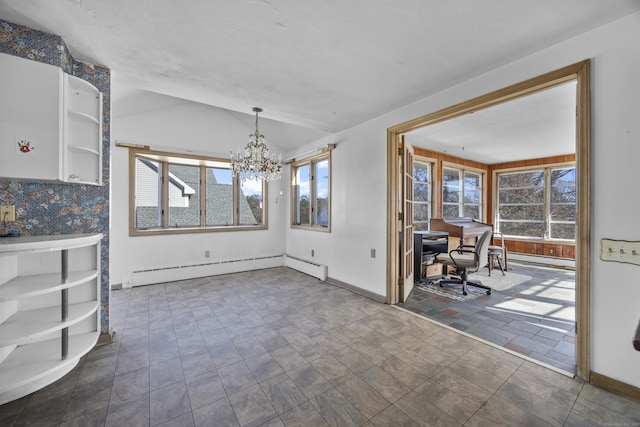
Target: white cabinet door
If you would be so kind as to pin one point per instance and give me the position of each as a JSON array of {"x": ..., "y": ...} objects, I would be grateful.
[
  {"x": 50, "y": 124},
  {"x": 30, "y": 119}
]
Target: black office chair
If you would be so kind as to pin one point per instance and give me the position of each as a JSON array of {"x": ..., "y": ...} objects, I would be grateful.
[{"x": 467, "y": 258}]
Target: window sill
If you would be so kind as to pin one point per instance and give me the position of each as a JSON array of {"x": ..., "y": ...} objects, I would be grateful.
[
  {"x": 312, "y": 228},
  {"x": 195, "y": 230}
]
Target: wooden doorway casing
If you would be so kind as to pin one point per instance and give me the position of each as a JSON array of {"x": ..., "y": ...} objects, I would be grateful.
[{"x": 579, "y": 72}]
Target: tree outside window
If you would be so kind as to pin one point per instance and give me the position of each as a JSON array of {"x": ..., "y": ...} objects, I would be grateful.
[
  {"x": 461, "y": 193},
  {"x": 539, "y": 203}
]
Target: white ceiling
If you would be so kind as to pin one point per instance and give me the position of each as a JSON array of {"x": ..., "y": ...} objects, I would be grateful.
[
  {"x": 320, "y": 65},
  {"x": 542, "y": 124}
]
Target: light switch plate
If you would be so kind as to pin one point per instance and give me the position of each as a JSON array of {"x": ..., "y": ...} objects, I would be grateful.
[
  {"x": 620, "y": 251},
  {"x": 7, "y": 213}
]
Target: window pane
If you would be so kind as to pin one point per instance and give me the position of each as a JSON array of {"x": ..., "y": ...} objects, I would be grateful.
[
  {"x": 450, "y": 211},
  {"x": 521, "y": 204},
  {"x": 302, "y": 192},
  {"x": 421, "y": 192},
  {"x": 563, "y": 213},
  {"x": 219, "y": 187},
  {"x": 472, "y": 180},
  {"x": 521, "y": 179},
  {"x": 471, "y": 196},
  {"x": 321, "y": 203},
  {"x": 421, "y": 212},
  {"x": 522, "y": 229},
  {"x": 563, "y": 176},
  {"x": 521, "y": 196},
  {"x": 184, "y": 196},
  {"x": 451, "y": 177},
  {"x": 250, "y": 201},
  {"x": 562, "y": 231},
  {"x": 421, "y": 172},
  {"x": 148, "y": 190},
  {"x": 450, "y": 195},
  {"x": 524, "y": 212},
  {"x": 472, "y": 211}
]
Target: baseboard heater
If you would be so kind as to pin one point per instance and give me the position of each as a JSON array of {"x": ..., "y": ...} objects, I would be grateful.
[
  {"x": 307, "y": 267},
  {"x": 191, "y": 271}
]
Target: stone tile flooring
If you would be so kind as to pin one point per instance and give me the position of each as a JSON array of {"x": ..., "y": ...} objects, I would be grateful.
[
  {"x": 535, "y": 318},
  {"x": 278, "y": 348}
]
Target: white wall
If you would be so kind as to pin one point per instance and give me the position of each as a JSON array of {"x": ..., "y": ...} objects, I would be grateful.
[
  {"x": 359, "y": 187},
  {"x": 168, "y": 122}
]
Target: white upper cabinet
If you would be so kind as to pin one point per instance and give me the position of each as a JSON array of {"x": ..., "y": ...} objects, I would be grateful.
[{"x": 50, "y": 124}]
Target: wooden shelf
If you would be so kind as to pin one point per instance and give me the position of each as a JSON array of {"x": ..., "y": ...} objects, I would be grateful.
[
  {"x": 25, "y": 326},
  {"x": 40, "y": 284},
  {"x": 32, "y": 362}
]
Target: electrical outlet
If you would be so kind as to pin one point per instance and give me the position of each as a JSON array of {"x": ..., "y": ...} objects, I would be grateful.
[
  {"x": 373, "y": 253},
  {"x": 207, "y": 254},
  {"x": 313, "y": 253},
  {"x": 7, "y": 213},
  {"x": 620, "y": 251}
]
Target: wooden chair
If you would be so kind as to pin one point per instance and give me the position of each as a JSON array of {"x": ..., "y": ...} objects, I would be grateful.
[{"x": 497, "y": 252}]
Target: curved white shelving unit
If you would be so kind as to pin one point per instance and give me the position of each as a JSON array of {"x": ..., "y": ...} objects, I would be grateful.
[{"x": 49, "y": 308}]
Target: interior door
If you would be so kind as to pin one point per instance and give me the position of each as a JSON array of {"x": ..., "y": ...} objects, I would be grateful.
[{"x": 407, "y": 219}]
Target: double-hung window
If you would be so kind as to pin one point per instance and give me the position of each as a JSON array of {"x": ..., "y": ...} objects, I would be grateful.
[
  {"x": 538, "y": 203},
  {"x": 422, "y": 185},
  {"x": 462, "y": 193},
  {"x": 175, "y": 193},
  {"x": 311, "y": 193}
]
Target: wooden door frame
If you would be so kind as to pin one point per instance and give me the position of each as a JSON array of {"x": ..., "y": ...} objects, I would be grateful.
[{"x": 580, "y": 72}]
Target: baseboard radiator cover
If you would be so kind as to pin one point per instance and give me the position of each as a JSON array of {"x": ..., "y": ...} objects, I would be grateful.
[
  {"x": 191, "y": 271},
  {"x": 307, "y": 267}
]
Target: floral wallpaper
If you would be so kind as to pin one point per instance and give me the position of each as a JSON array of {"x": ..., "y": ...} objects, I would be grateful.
[{"x": 44, "y": 207}]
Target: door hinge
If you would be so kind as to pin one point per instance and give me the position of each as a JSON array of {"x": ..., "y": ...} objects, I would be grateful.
[
  {"x": 400, "y": 216},
  {"x": 400, "y": 151}
]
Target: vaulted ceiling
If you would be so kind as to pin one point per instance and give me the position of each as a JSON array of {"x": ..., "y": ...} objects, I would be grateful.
[{"x": 315, "y": 66}]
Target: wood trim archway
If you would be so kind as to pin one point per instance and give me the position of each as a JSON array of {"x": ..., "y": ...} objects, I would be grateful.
[{"x": 580, "y": 72}]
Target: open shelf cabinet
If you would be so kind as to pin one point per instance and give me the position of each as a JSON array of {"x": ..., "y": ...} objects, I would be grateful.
[{"x": 49, "y": 308}]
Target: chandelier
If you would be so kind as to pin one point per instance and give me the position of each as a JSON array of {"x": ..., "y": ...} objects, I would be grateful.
[{"x": 256, "y": 162}]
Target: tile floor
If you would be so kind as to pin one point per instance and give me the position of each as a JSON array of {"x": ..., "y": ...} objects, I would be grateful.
[
  {"x": 535, "y": 318},
  {"x": 278, "y": 348}
]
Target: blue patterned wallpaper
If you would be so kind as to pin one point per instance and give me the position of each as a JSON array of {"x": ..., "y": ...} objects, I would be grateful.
[{"x": 44, "y": 207}]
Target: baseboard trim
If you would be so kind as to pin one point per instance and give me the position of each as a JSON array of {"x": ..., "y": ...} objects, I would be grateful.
[
  {"x": 357, "y": 290},
  {"x": 614, "y": 386}
]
